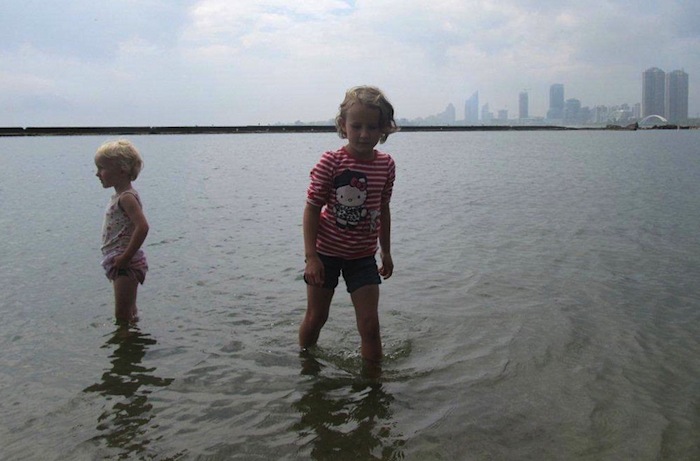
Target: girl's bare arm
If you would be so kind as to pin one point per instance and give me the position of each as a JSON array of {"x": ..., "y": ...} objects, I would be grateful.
[{"x": 133, "y": 210}]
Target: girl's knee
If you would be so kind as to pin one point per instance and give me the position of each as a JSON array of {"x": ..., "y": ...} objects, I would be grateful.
[
  {"x": 316, "y": 319},
  {"x": 368, "y": 328},
  {"x": 125, "y": 292}
]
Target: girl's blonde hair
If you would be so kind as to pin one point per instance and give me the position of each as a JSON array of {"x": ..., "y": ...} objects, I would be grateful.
[
  {"x": 124, "y": 154},
  {"x": 369, "y": 96}
]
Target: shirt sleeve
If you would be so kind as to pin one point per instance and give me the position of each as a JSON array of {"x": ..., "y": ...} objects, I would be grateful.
[
  {"x": 321, "y": 179},
  {"x": 389, "y": 186}
]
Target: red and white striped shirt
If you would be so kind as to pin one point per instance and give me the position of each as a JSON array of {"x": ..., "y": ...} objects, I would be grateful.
[{"x": 351, "y": 193}]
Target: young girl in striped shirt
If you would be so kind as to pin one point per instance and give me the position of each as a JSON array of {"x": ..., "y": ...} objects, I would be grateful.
[{"x": 346, "y": 214}]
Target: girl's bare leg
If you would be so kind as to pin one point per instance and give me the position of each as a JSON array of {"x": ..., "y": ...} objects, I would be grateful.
[
  {"x": 317, "y": 306},
  {"x": 366, "y": 302},
  {"x": 125, "y": 290}
]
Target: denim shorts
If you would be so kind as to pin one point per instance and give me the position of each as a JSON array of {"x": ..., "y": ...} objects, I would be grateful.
[{"x": 356, "y": 272}]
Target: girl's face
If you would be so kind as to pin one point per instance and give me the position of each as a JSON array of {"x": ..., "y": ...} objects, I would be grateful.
[
  {"x": 110, "y": 173},
  {"x": 361, "y": 126}
]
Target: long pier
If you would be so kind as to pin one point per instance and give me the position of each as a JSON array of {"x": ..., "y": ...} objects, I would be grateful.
[{"x": 166, "y": 130}]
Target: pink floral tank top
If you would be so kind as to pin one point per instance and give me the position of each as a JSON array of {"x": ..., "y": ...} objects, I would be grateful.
[{"x": 117, "y": 227}]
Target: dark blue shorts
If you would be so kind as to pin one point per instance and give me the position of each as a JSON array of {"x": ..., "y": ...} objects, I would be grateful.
[{"x": 356, "y": 272}]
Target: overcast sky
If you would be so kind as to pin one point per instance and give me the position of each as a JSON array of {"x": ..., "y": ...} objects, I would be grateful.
[{"x": 247, "y": 62}]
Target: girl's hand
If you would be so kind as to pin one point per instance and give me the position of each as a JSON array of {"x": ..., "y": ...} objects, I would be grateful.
[
  {"x": 314, "y": 271},
  {"x": 387, "y": 265},
  {"x": 120, "y": 262}
]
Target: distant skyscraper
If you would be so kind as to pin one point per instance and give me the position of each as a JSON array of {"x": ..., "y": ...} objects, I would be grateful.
[
  {"x": 676, "y": 97},
  {"x": 653, "y": 92},
  {"x": 486, "y": 114},
  {"x": 556, "y": 102},
  {"x": 522, "y": 105},
  {"x": 448, "y": 116},
  {"x": 572, "y": 109},
  {"x": 471, "y": 109}
]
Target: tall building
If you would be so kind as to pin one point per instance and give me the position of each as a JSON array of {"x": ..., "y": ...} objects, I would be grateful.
[
  {"x": 449, "y": 115},
  {"x": 486, "y": 114},
  {"x": 471, "y": 109},
  {"x": 572, "y": 111},
  {"x": 523, "y": 105},
  {"x": 653, "y": 92},
  {"x": 556, "y": 102},
  {"x": 676, "y": 97}
]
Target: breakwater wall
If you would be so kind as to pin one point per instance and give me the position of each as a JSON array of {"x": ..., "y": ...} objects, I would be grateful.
[{"x": 165, "y": 130}]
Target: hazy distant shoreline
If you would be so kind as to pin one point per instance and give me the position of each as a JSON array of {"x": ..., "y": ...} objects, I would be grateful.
[{"x": 145, "y": 130}]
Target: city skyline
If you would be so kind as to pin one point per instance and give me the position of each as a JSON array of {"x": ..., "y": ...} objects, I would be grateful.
[
  {"x": 662, "y": 94},
  {"x": 234, "y": 62}
]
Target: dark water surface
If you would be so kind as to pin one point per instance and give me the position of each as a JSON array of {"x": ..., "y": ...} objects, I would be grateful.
[{"x": 545, "y": 304}]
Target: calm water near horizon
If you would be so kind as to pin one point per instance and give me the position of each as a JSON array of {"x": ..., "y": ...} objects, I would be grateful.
[{"x": 545, "y": 304}]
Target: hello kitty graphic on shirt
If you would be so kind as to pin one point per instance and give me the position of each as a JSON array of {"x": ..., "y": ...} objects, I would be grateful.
[{"x": 350, "y": 193}]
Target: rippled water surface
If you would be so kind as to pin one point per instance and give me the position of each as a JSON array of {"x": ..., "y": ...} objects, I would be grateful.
[{"x": 545, "y": 304}]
